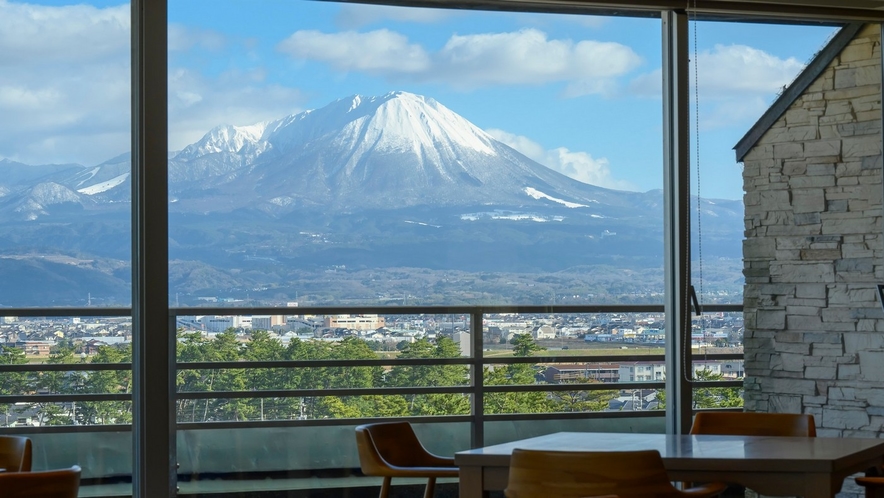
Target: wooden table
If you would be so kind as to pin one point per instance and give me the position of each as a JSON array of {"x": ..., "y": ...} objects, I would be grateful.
[{"x": 809, "y": 467}]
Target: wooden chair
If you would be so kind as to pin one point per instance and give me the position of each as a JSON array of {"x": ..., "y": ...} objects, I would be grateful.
[
  {"x": 874, "y": 486},
  {"x": 578, "y": 474},
  {"x": 391, "y": 449},
  {"x": 15, "y": 453},
  {"x": 754, "y": 424},
  {"x": 63, "y": 483}
]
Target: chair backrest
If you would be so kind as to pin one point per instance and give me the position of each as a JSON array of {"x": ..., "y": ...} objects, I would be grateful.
[
  {"x": 754, "y": 424},
  {"x": 63, "y": 483},
  {"x": 392, "y": 444},
  {"x": 15, "y": 453},
  {"x": 576, "y": 474}
]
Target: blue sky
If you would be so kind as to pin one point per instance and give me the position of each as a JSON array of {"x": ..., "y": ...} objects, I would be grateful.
[{"x": 579, "y": 94}]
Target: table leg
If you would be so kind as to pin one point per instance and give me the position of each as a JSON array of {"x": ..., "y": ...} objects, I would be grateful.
[{"x": 471, "y": 482}]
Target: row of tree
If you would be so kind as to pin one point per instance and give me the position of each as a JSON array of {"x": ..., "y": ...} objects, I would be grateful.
[{"x": 324, "y": 403}]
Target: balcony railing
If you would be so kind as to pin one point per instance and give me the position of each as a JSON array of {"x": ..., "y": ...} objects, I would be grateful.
[{"x": 474, "y": 386}]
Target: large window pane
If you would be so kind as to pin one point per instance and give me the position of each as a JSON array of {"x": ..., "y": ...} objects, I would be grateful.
[
  {"x": 65, "y": 233},
  {"x": 724, "y": 108},
  {"x": 362, "y": 155}
]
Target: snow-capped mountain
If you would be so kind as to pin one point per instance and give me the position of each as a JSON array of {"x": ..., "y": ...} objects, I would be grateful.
[
  {"x": 40, "y": 201},
  {"x": 392, "y": 151},
  {"x": 391, "y": 181}
]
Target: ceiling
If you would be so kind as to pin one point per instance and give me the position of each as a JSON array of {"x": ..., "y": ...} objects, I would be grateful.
[{"x": 815, "y": 11}]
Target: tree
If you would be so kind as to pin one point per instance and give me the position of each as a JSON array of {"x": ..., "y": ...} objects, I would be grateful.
[
  {"x": 715, "y": 397},
  {"x": 192, "y": 347},
  {"x": 708, "y": 397},
  {"x": 58, "y": 382},
  {"x": 331, "y": 378},
  {"x": 226, "y": 348},
  {"x": 12, "y": 383},
  {"x": 584, "y": 400},
  {"x": 517, "y": 374},
  {"x": 110, "y": 382},
  {"x": 432, "y": 376},
  {"x": 262, "y": 346}
]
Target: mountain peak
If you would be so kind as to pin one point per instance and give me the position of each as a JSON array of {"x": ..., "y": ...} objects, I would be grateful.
[
  {"x": 228, "y": 139},
  {"x": 406, "y": 122}
]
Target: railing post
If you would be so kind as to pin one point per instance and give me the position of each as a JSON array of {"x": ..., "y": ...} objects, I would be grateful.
[{"x": 477, "y": 375}]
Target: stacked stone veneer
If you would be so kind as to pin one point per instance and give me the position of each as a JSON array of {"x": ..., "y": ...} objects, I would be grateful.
[{"x": 814, "y": 338}]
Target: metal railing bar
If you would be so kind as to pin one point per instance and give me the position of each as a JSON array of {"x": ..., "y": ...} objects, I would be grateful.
[
  {"x": 499, "y": 417},
  {"x": 63, "y": 398},
  {"x": 208, "y": 365},
  {"x": 388, "y": 391},
  {"x": 599, "y": 386},
  {"x": 257, "y": 424},
  {"x": 573, "y": 359},
  {"x": 87, "y": 367},
  {"x": 65, "y": 367},
  {"x": 393, "y": 391},
  {"x": 307, "y": 393},
  {"x": 717, "y": 383},
  {"x": 516, "y": 417},
  {"x": 65, "y": 429},
  {"x": 67, "y": 312},
  {"x": 426, "y": 310},
  {"x": 375, "y": 310},
  {"x": 438, "y": 361},
  {"x": 701, "y": 357}
]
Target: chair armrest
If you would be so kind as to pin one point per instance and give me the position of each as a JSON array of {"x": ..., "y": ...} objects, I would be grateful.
[
  {"x": 705, "y": 490},
  {"x": 395, "y": 471}
]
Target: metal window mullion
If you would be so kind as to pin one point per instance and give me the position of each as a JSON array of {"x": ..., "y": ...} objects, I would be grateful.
[
  {"x": 676, "y": 219},
  {"x": 154, "y": 472}
]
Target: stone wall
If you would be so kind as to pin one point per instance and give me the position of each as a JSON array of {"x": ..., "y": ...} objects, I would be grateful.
[{"x": 813, "y": 251}]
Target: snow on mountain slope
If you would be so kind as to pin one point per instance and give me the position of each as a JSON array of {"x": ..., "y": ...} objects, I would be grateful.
[
  {"x": 386, "y": 152},
  {"x": 104, "y": 186},
  {"x": 36, "y": 201},
  {"x": 397, "y": 150},
  {"x": 225, "y": 138}
]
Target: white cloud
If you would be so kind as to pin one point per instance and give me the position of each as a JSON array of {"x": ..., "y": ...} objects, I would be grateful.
[
  {"x": 70, "y": 34},
  {"x": 65, "y": 85},
  {"x": 736, "y": 83},
  {"x": 353, "y": 16},
  {"x": 380, "y": 51},
  {"x": 729, "y": 70},
  {"x": 529, "y": 57},
  {"x": 526, "y": 57},
  {"x": 64, "y": 82},
  {"x": 580, "y": 166}
]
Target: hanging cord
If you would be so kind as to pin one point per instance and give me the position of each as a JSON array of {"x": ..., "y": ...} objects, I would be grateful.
[
  {"x": 698, "y": 296},
  {"x": 692, "y": 296}
]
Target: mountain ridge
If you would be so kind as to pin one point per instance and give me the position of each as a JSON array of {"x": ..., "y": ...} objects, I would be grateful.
[{"x": 397, "y": 180}]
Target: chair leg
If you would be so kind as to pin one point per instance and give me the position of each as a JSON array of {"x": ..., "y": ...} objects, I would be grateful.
[
  {"x": 385, "y": 487},
  {"x": 431, "y": 487}
]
